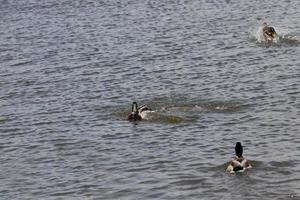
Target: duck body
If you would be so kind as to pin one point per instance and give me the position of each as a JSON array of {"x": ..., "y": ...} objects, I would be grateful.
[
  {"x": 134, "y": 116},
  {"x": 269, "y": 33},
  {"x": 144, "y": 111},
  {"x": 238, "y": 164}
]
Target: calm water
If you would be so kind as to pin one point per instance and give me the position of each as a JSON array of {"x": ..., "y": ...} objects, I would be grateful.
[{"x": 69, "y": 71}]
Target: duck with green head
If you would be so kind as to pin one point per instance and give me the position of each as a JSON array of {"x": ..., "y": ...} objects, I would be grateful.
[
  {"x": 239, "y": 163},
  {"x": 138, "y": 113}
]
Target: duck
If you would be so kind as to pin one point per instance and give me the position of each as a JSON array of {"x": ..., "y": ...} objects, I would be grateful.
[
  {"x": 239, "y": 163},
  {"x": 269, "y": 32},
  {"x": 138, "y": 113}
]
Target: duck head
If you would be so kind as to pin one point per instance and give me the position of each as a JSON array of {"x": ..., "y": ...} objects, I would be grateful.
[
  {"x": 238, "y": 149},
  {"x": 134, "y": 116}
]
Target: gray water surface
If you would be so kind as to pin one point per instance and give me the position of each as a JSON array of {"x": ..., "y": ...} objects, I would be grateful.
[{"x": 69, "y": 71}]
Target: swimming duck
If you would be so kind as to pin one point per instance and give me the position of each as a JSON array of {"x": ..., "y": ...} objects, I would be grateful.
[
  {"x": 139, "y": 113},
  {"x": 238, "y": 163},
  {"x": 269, "y": 32}
]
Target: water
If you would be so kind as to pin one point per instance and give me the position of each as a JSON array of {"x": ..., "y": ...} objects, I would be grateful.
[{"x": 71, "y": 69}]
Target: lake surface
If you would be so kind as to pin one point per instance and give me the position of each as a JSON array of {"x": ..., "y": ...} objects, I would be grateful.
[{"x": 69, "y": 71}]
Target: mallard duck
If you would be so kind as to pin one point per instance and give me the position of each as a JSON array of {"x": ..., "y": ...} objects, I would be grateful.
[
  {"x": 139, "y": 113},
  {"x": 269, "y": 32},
  {"x": 238, "y": 163}
]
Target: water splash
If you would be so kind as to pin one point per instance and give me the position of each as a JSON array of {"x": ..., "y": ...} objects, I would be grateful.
[
  {"x": 181, "y": 110},
  {"x": 284, "y": 37}
]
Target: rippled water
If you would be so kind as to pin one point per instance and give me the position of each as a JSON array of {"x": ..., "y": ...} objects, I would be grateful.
[{"x": 71, "y": 69}]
